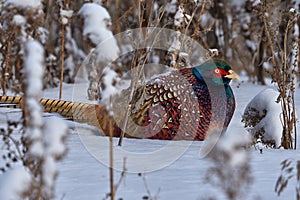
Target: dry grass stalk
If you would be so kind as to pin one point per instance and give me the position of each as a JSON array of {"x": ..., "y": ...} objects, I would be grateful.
[
  {"x": 139, "y": 60},
  {"x": 283, "y": 77},
  {"x": 7, "y": 66},
  {"x": 63, "y": 28},
  {"x": 111, "y": 161}
]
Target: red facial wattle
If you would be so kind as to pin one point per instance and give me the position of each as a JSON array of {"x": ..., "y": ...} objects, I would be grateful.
[{"x": 218, "y": 72}]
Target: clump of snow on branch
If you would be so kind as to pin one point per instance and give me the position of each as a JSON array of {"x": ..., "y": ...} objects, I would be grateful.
[
  {"x": 65, "y": 15},
  {"x": 34, "y": 73},
  {"x": 110, "y": 80},
  {"x": 55, "y": 131},
  {"x": 34, "y": 68},
  {"x": 262, "y": 117},
  {"x": 179, "y": 17},
  {"x": 19, "y": 20},
  {"x": 24, "y": 3},
  {"x": 212, "y": 53},
  {"x": 100, "y": 67},
  {"x": 96, "y": 22},
  {"x": 107, "y": 51},
  {"x": 14, "y": 183},
  {"x": 176, "y": 51},
  {"x": 175, "y": 48},
  {"x": 255, "y": 2},
  {"x": 46, "y": 139}
]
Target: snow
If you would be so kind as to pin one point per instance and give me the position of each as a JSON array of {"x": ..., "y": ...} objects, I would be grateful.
[
  {"x": 108, "y": 50},
  {"x": 34, "y": 71},
  {"x": 292, "y": 10},
  {"x": 49, "y": 169},
  {"x": 82, "y": 176},
  {"x": 34, "y": 67},
  {"x": 55, "y": 131},
  {"x": 214, "y": 52},
  {"x": 13, "y": 183},
  {"x": 43, "y": 35},
  {"x": 19, "y": 20},
  {"x": 271, "y": 123},
  {"x": 110, "y": 77},
  {"x": 255, "y": 2},
  {"x": 179, "y": 17},
  {"x": 24, "y": 3},
  {"x": 96, "y": 20},
  {"x": 66, "y": 15}
]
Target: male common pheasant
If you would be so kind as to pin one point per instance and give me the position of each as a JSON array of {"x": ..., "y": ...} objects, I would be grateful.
[{"x": 181, "y": 105}]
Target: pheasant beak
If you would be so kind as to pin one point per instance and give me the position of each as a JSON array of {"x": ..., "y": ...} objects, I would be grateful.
[{"x": 232, "y": 75}]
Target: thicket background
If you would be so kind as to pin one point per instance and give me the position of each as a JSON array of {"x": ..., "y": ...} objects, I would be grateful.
[{"x": 235, "y": 28}]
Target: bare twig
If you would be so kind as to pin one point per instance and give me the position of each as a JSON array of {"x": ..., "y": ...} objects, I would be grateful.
[
  {"x": 7, "y": 63},
  {"x": 63, "y": 29},
  {"x": 111, "y": 161},
  {"x": 137, "y": 66},
  {"x": 117, "y": 185},
  {"x": 285, "y": 83},
  {"x": 148, "y": 190}
]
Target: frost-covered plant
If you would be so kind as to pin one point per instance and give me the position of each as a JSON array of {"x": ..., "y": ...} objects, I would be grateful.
[
  {"x": 20, "y": 21},
  {"x": 288, "y": 171},
  {"x": 40, "y": 145},
  {"x": 40, "y": 20},
  {"x": 43, "y": 143},
  {"x": 63, "y": 56},
  {"x": 12, "y": 149},
  {"x": 262, "y": 118},
  {"x": 284, "y": 61},
  {"x": 230, "y": 170},
  {"x": 248, "y": 43},
  {"x": 96, "y": 30}
]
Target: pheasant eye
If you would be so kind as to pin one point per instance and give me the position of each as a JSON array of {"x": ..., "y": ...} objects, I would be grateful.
[{"x": 217, "y": 71}]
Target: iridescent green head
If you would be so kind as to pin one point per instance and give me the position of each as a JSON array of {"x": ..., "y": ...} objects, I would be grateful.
[{"x": 215, "y": 71}]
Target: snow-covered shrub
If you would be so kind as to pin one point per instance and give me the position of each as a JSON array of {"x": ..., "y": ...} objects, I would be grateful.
[
  {"x": 284, "y": 57},
  {"x": 230, "y": 170},
  {"x": 40, "y": 145},
  {"x": 262, "y": 118},
  {"x": 96, "y": 28},
  {"x": 96, "y": 22},
  {"x": 20, "y": 20}
]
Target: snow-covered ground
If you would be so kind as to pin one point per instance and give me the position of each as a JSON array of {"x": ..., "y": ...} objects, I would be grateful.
[{"x": 83, "y": 175}]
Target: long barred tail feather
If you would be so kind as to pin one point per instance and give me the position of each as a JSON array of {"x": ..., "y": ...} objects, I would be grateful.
[
  {"x": 92, "y": 114},
  {"x": 10, "y": 102}
]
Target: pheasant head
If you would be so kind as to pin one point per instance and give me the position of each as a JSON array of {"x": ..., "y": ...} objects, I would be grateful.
[{"x": 217, "y": 72}]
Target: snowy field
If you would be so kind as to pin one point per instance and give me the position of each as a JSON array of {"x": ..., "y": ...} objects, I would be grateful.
[{"x": 83, "y": 176}]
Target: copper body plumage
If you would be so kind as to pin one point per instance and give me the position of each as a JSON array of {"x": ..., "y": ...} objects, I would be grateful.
[{"x": 176, "y": 106}]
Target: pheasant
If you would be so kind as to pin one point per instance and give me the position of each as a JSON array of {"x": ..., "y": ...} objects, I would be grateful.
[{"x": 176, "y": 106}]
